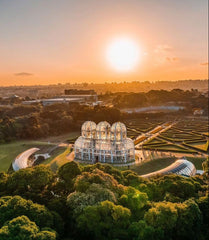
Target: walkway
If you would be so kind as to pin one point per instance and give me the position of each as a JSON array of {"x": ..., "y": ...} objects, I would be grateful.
[{"x": 154, "y": 133}]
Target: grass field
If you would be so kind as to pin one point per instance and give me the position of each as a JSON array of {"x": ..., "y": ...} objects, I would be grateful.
[
  {"x": 60, "y": 159},
  {"x": 54, "y": 154},
  {"x": 61, "y": 138},
  {"x": 152, "y": 166},
  {"x": 9, "y": 151},
  {"x": 196, "y": 161},
  {"x": 159, "y": 164}
]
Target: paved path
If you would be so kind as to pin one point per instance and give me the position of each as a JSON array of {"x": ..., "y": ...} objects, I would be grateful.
[{"x": 149, "y": 135}]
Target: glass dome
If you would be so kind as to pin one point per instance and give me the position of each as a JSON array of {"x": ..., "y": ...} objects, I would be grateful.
[
  {"x": 79, "y": 142},
  {"x": 104, "y": 143},
  {"x": 103, "y": 130},
  {"x": 88, "y": 129},
  {"x": 118, "y": 131},
  {"x": 129, "y": 143},
  {"x": 83, "y": 148}
]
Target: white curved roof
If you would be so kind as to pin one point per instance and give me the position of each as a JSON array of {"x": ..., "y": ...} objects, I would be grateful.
[
  {"x": 21, "y": 161},
  {"x": 180, "y": 167}
]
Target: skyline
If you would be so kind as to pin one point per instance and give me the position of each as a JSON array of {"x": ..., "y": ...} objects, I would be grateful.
[{"x": 49, "y": 42}]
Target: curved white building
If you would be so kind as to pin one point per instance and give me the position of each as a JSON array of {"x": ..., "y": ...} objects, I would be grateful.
[
  {"x": 104, "y": 143},
  {"x": 181, "y": 167}
]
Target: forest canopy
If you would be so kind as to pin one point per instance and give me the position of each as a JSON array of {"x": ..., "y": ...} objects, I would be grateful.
[{"x": 101, "y": 202}]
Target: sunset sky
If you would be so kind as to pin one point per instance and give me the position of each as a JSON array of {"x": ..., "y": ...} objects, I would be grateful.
[{"x": 58, "y": 41}]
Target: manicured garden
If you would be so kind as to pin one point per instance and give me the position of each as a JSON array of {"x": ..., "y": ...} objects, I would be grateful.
[{"x": 185, "y": 136}]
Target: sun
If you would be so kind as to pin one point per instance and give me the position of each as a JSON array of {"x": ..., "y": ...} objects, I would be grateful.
[{"x": 123, "y": 54}]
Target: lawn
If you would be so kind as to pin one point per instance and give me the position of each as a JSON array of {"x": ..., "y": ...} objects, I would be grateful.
[
  {"x": 60, "y": 159},
  {"x": 159, "y": 164},
  {"x": 196, "y": 161},
  {"x": 152, "y": 166},
  {"x": 61, "y": 138},
  {"x": 200, "y": 145},
  {"x": 9, "y": 151},
  {"x": 54, "y": 154}
]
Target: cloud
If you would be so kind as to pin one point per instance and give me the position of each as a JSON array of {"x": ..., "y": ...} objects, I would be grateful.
[
  {"x": 163, "y": 48},
  {"x": 23, "y": 74},
  {"x": 172, "y": 59},
  {"x": 164, "y": 54},
  {"x": 204, "y": 64}
]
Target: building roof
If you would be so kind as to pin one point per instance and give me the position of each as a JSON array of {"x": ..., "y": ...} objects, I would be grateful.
[{"x": 180, "y": 167}]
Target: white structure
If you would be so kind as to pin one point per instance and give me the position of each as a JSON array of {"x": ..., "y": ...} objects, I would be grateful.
[
  {"x": 21, "y": 161},
  {"x": 181, "y": 167},
  {"x": 104, "y": 143}
]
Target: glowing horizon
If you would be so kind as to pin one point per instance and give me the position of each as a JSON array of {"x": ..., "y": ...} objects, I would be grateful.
[{"x": 49, "y": 42}]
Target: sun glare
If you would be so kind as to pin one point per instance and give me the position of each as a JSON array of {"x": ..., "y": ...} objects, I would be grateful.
[{"x": 123, "y": 54}]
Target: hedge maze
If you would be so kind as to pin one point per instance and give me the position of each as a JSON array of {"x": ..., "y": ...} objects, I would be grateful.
[{"x": 186, "y": 136}]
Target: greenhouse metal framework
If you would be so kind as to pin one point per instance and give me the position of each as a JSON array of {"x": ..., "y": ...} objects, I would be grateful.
[{"x": 104, "y": 143}]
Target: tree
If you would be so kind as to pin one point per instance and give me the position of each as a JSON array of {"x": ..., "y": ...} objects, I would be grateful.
[
  {"x": 95, "y": 194},
  {"x": 134, "y": 200},
  {"x": 142, "y": 231},
  {"x": 68, "y": 172},
  {"x": 11, "y": 207},
  {"x": 84, "y": 181},
  {"x": 205, "y": 166},
  {"x": 189, "y": 221},
  {"x": 203, "y": 203},
  {"x": 107, "y": 168},
  {"x": 30, "y": 181},
  {"x": 104, "y": 221},
  {"x": 162, "y": 215},
  {"x": 3, "y": 181},
  {"x": 21, "y": 228}
]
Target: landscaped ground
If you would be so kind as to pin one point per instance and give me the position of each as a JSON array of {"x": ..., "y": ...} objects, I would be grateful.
[
  {"x": 155, "y": 165},
  {"x": 152, "y": 166},
  {"x": 67, "y": 137},
  {"x": 9, "y": 151},
  {"x": 184, "y": 137},
  {"x": 60, "y": 159},
  {"x": 187, "y": 136},
  {"x": 139, "y": 126}
]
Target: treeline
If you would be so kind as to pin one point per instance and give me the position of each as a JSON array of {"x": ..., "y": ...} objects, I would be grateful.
[
  {"x": 101, "y": 88},
  {"x": 190, "y": 99},
  {"x": 101, "y": 202},
  {"x": 31, "y": 122},
  {"x": 36, "y": 121}
]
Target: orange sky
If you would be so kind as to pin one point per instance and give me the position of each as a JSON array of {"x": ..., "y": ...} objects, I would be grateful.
[{"x": 45, "y": 42}]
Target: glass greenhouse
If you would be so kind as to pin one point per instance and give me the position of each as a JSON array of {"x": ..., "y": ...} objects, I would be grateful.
[
  {"x": 104, "y": 143},
  {"x": 181, "y": 167}
]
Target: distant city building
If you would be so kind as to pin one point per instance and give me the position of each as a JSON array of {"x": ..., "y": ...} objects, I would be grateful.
[
  {"x": 104, "y": 143},
  {"x": 198, "y": 111},
  {"x": 79, "y": 92},
  {"x": 86, "y": 95},
  {"x": 46, "y": 102}
]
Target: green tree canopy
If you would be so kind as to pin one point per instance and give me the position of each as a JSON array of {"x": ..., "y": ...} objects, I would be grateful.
[
  {"x": 21, "y": 228},
  {"x": 105, "y": 221}
]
